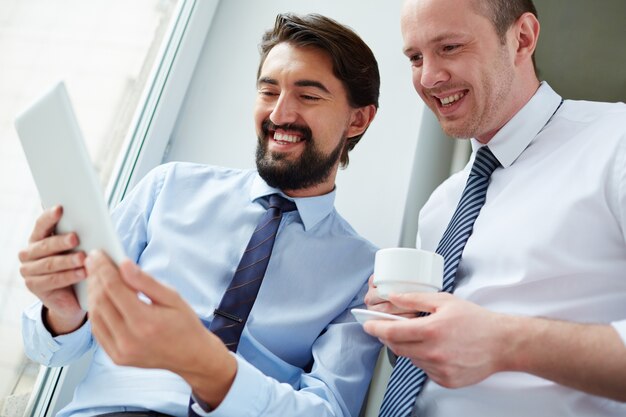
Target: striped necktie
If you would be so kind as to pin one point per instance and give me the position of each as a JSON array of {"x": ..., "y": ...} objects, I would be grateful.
[
  {"x": 406, "y": 380},
  {"x": 231, "y": 315}
]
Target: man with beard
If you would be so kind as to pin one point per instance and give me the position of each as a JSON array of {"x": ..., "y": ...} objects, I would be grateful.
[
  {"x": 186, "y": 227},
  {"x": 536, "y": 324}
]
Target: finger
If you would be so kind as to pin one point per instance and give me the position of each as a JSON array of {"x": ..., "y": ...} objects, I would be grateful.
[
  {"x": 418, "y": 352},
  {"x": 106, "y": 277},
  {"x": 370, "y": 281},
  {"x": 111, "y": 303},
  {"x": 46, "y": 223},
  {"x": 49, "y": 246},
  {"x": 157, "y": 292},
  {"x": 391, "y": 331},
  {"x": 53, "y": 264},
  {"x": 42, "y": 284},
  {"x": 105, "y": 312},
  {"x": 389, "y": 308},
  {"x": 102, "y": 333},
  {"x": 372, "y": 297},
  {"x": 419, "y": 301}
]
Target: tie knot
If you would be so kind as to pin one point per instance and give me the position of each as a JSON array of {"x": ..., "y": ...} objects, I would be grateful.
[
  {"x": 280, "y": 202},
  {"x": 484, "y": 163}
]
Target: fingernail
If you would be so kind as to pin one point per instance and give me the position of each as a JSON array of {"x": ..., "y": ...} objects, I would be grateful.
[
  {"x": 80, "y": 273},
  {"x": 89, "y": 261}
]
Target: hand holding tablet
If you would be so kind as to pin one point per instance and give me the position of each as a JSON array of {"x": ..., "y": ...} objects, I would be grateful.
[{"x": 64, "y": 175}]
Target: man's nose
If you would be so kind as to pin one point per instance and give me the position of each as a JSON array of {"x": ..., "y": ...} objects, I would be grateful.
[
  {"x": 285, "y": 110},
  {"x": 432, "y": 73}
]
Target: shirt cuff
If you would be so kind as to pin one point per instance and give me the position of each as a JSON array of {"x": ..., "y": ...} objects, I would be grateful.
[
  {"x": 46, "y": 344},
  {"x": 247, "y": 396},
  {"x": 200, "y": 409},
  {"x": 620, "y": 326}
]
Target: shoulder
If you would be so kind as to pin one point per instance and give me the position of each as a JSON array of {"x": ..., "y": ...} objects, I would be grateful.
[
  {"x": 340, "y": 227},
  {"x": 595, "y": 113},
  {"x": 187, "y": 174},
  {"x": 187, "y": 170},
  {"x": 591, "y": 130},
  {"x": 180, "y": 180}
]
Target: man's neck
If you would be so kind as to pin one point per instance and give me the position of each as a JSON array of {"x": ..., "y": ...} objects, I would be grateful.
[
  {"x": 314, "y": 191},
  {"x": 520, "y": 98}
]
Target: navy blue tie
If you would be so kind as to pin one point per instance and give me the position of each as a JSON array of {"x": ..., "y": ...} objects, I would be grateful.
[
  {"x": 231, "y": 315},
  {"x": 407, "y": 380}
]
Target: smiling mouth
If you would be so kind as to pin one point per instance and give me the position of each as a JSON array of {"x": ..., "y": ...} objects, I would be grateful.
[
  {"x": 285, "y": 134},
  {"x": 448, "y": 101},
  {"x": 286, "y": 137}
]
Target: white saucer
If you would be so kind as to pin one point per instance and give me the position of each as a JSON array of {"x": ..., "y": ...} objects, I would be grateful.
[{"x": 363, "y": 315}]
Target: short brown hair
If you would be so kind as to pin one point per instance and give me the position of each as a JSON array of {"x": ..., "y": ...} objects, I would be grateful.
[
  {"x": 503, "y": 13},
  {"x": 354, "y": 63}
]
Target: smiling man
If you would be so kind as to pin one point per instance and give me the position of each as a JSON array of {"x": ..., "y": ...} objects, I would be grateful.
[
  {"x": 533, "y": 232},
  {"x": 289, "y": 108},
  {"x": 251, "y": 329}
]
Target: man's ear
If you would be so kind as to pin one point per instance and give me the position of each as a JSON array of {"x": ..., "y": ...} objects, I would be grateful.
[
  {"x": 360, "y": 120},
  {"x": 526, "y": 35}
]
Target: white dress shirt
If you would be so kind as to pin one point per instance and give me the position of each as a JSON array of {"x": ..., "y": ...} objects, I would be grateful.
[{"x": 550, "y": 241}]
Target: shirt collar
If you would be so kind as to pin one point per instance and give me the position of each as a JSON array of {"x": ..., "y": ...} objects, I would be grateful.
[
  {"x": 310, "y": 209},
  {"x": 515, "y": 136}
]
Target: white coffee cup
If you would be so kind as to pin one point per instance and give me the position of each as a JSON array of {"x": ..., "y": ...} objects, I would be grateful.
[{"x": 401, "y": 270}]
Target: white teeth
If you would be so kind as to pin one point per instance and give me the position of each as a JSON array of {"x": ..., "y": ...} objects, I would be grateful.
[
  {"x": 451, "y": 99},
  {"x": 283, "y": 137}
]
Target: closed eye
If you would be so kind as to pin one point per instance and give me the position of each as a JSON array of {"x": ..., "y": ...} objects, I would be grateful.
[
  {"x": 416, "y": 59},
  {"x": 450, "y": 48},
  {"x": 267, "y": 93}
]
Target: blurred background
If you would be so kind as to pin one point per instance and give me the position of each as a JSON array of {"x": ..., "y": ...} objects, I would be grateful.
[{"x": 103, "y": 49}]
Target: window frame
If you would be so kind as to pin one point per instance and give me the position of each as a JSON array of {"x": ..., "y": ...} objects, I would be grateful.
[{"x": 144, "y": 147}]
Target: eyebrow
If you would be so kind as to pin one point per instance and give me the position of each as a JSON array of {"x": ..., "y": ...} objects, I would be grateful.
[
  {"x": 267, "y": 80},
  {"x": 299, "y": 83},
  {"x": 312, "y": 83}
]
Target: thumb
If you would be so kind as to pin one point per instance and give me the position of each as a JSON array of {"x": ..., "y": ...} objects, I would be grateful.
[
  {"x": 419, "y": 301},
  {"x": 140, "y": 281}
]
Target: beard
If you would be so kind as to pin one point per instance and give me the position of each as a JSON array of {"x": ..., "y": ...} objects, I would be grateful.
[{"x": 312, "y": 168}]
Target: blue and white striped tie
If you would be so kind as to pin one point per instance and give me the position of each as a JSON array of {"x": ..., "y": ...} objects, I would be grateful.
[{"x": 407, "y": 380}]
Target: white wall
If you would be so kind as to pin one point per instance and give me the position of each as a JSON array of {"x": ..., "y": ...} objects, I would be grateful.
[{"x": 216, "y": 126}]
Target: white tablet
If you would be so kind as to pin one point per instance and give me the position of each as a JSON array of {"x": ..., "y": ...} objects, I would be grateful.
[{"x": 64, "y": 174}]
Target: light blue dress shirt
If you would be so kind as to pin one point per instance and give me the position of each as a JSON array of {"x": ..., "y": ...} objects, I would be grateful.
[{"x": 301, "y": 352}]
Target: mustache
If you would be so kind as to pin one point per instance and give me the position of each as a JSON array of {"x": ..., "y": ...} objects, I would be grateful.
[
  {"x": 443, "y": 88},
  {"x": 268, "y": 126}
]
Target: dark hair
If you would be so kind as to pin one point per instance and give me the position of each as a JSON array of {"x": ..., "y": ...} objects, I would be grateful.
[
  {"x": 353, "y": 61},
  {"x": 503, "y": 13}
]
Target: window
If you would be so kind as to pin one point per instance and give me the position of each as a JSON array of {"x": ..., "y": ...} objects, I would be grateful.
[{"x": 105, "y": 51}]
